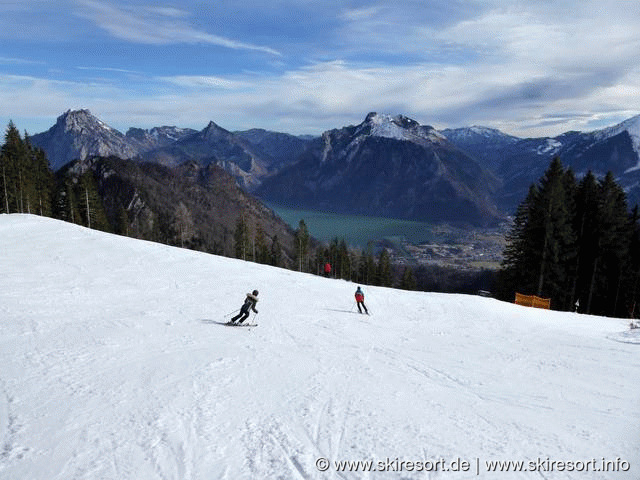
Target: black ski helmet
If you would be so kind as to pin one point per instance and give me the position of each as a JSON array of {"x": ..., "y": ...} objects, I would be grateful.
[{"x": 255, "y": 293}]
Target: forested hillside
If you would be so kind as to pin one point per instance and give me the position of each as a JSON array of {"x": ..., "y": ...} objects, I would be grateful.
[{"x": 576, "y": 242}]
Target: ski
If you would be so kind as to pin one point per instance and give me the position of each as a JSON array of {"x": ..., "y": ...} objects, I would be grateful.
[{"x": 241, "y": 324}]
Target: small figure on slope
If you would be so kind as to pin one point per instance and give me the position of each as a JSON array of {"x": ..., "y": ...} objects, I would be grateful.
[
  {"x": 360, "y": 301},
  {"x": 249, "y": 304},
  {"x": 327, "y": 269}
]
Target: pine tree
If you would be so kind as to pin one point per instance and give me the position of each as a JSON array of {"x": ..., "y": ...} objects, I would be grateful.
[
  {"x": 586, "y": 225},
  {"x": 632, "y": 272},
  {"x": 26, "y": 181},
  {"x": 613, "y": 246},
  {"x": 13, "y": 159},
  {"x": 43, "y": 183},
  {"x": 276, "y": 252},
  {"x": 241, "y": 239},
  {"x": 367, "y": 266},
  {"x": 541, "y": 246},
  {"x": 301, "y": 245},
  {"x": 90, "y": 207},
  {"x": 262, "y": 250},
  {"x": 518, "y": 257},
  {"x": 408, "y": 281},
  {"x": 384, "y": 269},
  {"x": 344, "y": 260},
  {"x": 553, "y": 230}
]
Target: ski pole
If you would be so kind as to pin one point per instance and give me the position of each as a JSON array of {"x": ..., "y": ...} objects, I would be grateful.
[{"x": 231, "y": 313}]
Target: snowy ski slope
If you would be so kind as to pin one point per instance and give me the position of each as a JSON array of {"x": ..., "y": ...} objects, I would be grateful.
[{"x": 113, "y": 366}]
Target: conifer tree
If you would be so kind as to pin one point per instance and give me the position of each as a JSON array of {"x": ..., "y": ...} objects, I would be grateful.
[
  {"x": 13, "y": 160},
  {"x": 43, "y": 183},
  {"x": 384, "y": 269},
  {"x": 587, "y": 228},
  {"x": 408, "y": 281},
  {"x": 632, "y": 271},
  {"x": 301, "y": 245},
  {"x": 276, "y": 252},
  {"x": 262, "y": 250},
  {"x": 25, "y": 177},
  {"x": 613, "y": 246},
  {"x": 367, "y": 267},
  {"x": 241, "y": 239},
  {"x": 518, "y": 257},
  {"x": 541, "y": 245},
  {"x": 344, "y": 260},
  {"x": 552, "y": 233},
  {"x": 90, "y": 205}
]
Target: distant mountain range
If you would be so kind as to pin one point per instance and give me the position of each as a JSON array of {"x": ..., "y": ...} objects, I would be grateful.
[
  {"x": 249, "y": 156},
  {"x": 391, "y": 167},
  {"x": 387, "y": 165},
  {"x": 520, "y": 162}
]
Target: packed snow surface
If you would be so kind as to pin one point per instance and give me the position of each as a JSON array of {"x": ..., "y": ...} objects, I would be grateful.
[{"x": 114, "y": 365}]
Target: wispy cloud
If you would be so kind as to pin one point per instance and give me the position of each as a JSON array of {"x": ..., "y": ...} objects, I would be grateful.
[
  {"x": 528, "y": 67},
  {"x": 109, "y": 69},
  {"x": 155, "y": 26},
  {"x": 202, "y": 81},
  {"x": 19, "y": 61}
]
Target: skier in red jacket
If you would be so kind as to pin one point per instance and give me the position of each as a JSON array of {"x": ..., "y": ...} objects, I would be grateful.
[
  {"x": 327, "y": 269},
  {"x": 360, "y": 301}
]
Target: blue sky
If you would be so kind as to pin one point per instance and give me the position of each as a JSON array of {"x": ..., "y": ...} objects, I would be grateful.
[{"x": 529, "y": 68}]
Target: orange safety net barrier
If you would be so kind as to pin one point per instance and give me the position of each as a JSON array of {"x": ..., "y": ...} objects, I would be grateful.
[{"x": 533, "y": 301}]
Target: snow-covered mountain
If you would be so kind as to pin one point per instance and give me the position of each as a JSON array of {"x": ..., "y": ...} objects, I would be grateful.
[
  {"x": 399, "y": 127},
  {"x": 221, "y": 147},
  {"x": 387, "y": 166},
  {"x": 478, "y": 134},
  {"x": 157, "y": 137},
  {"x": 115, "y": 366},
  {"x": 248, "y": 156},
  {"x": 77, "y": 135},
  {"x": 497, "y": 169},
  {"x": 519, "y": 162}
]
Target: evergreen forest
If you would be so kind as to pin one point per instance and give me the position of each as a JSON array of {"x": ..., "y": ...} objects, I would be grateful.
[{"x": 575, "y": 242}]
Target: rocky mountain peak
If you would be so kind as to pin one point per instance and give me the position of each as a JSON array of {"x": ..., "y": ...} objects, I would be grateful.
[
  {"x": 213, "y": 127},
  {"x": 631, "y": 126},
  {"x": 77, "y": 134},
  {"x": 398, "y": 127},
  {"x": 81, "y": 121}
]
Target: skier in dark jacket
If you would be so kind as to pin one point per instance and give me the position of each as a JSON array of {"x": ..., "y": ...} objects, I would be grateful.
[
  {"x": 360, "y": 301},
  {"x": 249, "y": 304}
]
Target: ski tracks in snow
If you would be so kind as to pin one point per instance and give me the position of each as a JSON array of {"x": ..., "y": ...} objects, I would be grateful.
[
  {"x": 278, "y": 444},
  {"x": 8, "y": 429}
]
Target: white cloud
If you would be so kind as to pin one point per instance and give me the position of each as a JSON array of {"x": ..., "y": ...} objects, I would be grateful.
[
  {"x": 202, "y": 81},
  {"x": 528, "y": 67},
  {"x": 19, "y": 61},
  {"x": 156, "y": 26}
]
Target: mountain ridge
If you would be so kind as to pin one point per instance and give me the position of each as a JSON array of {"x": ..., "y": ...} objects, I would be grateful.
[
  {"x": 255, "y": 155},
  {"x": 390, "y": 166}
]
